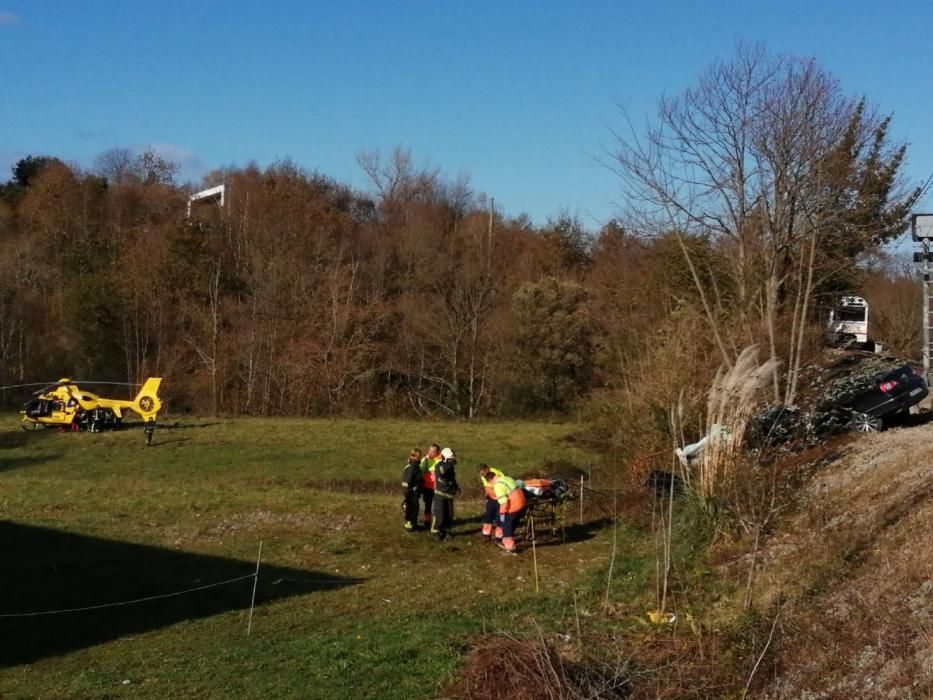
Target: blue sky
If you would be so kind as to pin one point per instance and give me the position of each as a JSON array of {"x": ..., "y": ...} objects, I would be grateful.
[{"x": 519, "y": 95}]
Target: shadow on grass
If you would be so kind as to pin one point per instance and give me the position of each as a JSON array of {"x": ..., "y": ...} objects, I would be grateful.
[
  {"x": 571, "y": 534},
  {"x": 567, "y": 534},
  {"x": 14, "y": 440},
  {"x": 158, "y": 443},
  {"x": 179, "y": 426},
  {"x": 49, "y": 570},
  {"x": 11, "y": 463}
]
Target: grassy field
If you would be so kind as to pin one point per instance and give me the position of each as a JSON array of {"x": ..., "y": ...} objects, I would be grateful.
[{"x": 348, "y": 604}]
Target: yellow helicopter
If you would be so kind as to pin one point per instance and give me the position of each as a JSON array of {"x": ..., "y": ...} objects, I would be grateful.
[{"x": 66, "y": 405}]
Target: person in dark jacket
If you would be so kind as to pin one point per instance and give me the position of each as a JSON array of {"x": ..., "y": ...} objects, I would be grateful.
[
  {"x": 411, "y": 489},
  {"x": 445, "y": 489}
]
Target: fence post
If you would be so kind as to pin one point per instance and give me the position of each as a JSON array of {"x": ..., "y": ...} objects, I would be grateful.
[
  {"x": 581, "y": 499},
  {"x": 534, "y": 549},
  {"x": 252, "y": 603}
]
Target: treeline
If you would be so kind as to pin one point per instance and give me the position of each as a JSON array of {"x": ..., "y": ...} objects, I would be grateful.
[
  {"x": 299, "y": 296},
  {"x": 754, "y": 196}
]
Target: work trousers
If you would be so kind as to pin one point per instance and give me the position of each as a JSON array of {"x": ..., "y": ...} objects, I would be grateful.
[
  {"x": 427, "y": 496},
  {"x": 443, "y": 511},
  {"x": 509, "y": 524},
  {"x": 410, "y": 501},
  {"x": 491, "y": 519}
]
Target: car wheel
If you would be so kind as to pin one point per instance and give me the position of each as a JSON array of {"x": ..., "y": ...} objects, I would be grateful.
[{"x": 865, "y": 423}]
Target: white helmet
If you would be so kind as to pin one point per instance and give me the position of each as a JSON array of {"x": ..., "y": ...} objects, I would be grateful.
[{"x": 447, "y": 453}]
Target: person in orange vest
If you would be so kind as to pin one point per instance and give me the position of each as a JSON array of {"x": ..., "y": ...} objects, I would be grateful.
[
  {"x": 411, "y": 489},
  {"x": 512, "y": 506},
  {"x": 428, "y": 463},
  {"x": 491, "y": 513}
]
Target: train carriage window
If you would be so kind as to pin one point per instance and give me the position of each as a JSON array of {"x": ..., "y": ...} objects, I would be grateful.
[{"x": 848, "y": 313}]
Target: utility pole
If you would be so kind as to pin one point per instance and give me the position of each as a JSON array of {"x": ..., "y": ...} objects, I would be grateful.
[
  {"x": 921, "y": 226},
  {"x": 492, "y": 210}
]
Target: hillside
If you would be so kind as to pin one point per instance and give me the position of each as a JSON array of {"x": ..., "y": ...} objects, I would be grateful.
[{"x": 853, "y": 569}]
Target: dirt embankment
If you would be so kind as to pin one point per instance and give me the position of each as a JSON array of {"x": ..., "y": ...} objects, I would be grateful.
[{"x": 852, "y": 573}]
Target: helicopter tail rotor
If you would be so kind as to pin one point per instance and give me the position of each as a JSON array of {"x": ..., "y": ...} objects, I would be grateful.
[{"x": 147, "y": 402}]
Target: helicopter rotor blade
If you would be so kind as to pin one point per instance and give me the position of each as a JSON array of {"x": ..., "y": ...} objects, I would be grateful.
[
  {"x": 52, "y": 385},
  {"x": 23, "y": 386},
  {"x": 89, "y": 381}
]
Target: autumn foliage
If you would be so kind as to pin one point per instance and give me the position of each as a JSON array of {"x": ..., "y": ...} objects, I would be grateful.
[{"x": 302, "y": 296}]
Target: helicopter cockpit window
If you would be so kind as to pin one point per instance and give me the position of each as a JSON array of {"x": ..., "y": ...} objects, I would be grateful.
[
  {"x": 58, "y": 406},
  {"x": 38, "y": 408}
]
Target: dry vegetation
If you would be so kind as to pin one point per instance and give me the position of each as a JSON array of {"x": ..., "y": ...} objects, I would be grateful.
[
  {"x": 506, "y": 668},
  {"x": 851, "y": 572}
]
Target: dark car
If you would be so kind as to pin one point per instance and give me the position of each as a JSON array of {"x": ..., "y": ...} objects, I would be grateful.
[
  {"x": 860, "y": 391},
  {"x": 845, "y": 391},
  {"x": 884, "y": 397}
]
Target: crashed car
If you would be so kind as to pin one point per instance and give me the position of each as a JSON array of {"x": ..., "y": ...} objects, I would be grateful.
[
  {"x": 867, "y": 394},
  {"x": 843, "y": 391},
  {"x": 892, "y": 395}
]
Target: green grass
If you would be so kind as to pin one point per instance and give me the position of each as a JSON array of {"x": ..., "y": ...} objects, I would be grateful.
[{"x": 215, "y": 488}]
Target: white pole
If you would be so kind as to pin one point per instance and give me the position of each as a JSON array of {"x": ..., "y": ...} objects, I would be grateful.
[
  {"x": 252, "y": 603},
  {"x": 926, "y": 311},
  {"x": 581, "y": 499},
  {"x": 534, "y": 549}
]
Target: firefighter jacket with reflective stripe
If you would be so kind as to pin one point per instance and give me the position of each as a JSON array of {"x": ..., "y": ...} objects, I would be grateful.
[
  {"x": 510, "y": 497},
  {"x": 487, "y": 483},
  {"x": 445, "y": 478},
  {"x": 411, "y": 476}
]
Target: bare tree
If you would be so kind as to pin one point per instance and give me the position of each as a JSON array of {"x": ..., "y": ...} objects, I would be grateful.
[
  {"x": 118, "y": 165},
  {"x": 749, "y": 158},
  {"x": 396, "y": 179},
  {"x": 121, "y": 166}
]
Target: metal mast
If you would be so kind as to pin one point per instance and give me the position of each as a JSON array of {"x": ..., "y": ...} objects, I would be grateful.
[{"x": 921, "y": 226}]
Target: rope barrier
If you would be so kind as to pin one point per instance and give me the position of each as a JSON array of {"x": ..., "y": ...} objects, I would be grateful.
[
  {"x": 178, "y": 593},
  {"x": 130, "y": 602},
  {"x": 315, "y": 580}
]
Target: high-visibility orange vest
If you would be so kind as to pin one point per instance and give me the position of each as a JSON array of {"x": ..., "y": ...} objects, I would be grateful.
[{"x": 510, "y": 497}]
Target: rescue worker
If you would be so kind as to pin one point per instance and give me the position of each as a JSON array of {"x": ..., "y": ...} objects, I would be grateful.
[
  {"x": 411, "y": 489},
  {"x": 427, "y": 481},
  {"x": 445, "y": 488},
  {"x": 491, "y": 513},
  {"x": 149, "y": 430},
  {"x": 512, "y": 506}
]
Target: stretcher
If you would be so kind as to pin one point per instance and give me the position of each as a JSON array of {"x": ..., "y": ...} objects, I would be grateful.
[{"x": 546, "y": 499}]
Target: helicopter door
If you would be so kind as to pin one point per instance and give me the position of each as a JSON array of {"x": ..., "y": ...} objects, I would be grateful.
[{"x": 59, "y": 412}]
